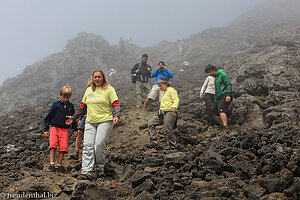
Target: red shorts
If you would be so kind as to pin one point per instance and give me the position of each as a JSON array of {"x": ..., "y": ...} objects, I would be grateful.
[{"x": 59, "y": 136}]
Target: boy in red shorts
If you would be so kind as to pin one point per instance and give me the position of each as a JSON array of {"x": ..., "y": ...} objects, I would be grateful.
[{"x": 59, "y": 131}]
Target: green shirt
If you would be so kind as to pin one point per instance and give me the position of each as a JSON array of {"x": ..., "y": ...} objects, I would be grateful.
[
  {"x": 222, "y": 85},
  {"x": 99, "y": 104}
]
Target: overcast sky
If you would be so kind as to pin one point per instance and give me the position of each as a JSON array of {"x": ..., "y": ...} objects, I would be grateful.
[{"x": 34, "y": 29}]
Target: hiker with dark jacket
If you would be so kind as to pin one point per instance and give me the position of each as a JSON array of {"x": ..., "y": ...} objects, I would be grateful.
[
  {"x": 56, "y": 130},
  {"x": 143, "y": 72},
  {"x": 223, "y": 94}
]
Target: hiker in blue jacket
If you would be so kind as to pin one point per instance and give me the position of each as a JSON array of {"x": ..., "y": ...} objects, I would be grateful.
[{"x": 160, "y": 72}]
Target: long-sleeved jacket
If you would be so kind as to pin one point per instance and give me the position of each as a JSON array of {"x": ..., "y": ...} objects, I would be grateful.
[
  {"x": 57, "y": 115},
  {"x": 169, "y": 100},
  {"x": 208, "y": 85},
  {"x": 223, "y": 85},
  {"x": 144, "y": 74},
  {"x": 161, "y": 74}
]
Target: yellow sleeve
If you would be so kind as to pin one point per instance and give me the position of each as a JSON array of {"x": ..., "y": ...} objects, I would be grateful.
[
  {"x": 175, "y": 98},
  {"x": 112, "y": 95}
]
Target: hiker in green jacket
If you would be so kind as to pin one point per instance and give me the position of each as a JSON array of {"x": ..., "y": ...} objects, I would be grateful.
[{"x": 223, "y": 94}]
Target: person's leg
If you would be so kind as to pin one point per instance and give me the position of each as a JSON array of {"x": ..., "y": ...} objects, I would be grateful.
[
  {"x": 138, "y": 90},
  {"x": 52, "y": 155},
  {"x": 104, "y": 130},
  {"x": 224, "y": 119},
  {"x": 151, "y": 126},
  {"x": 53, "y": 139},
  {"x": 79, "y": 139},
  {"x": 209, "y": 107},
  {"x": 151, "y": 96},
  {"x": 88, "y": 154},
  {"x": 63, "y": 137},
  {"x": 60, "y": 157},
  {"x": 169, "y": 120}
]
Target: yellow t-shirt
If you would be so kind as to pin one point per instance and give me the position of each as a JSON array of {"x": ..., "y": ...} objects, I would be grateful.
[
  {"x": 99, "y": 104},
  {"x": 169, "y": 99}
]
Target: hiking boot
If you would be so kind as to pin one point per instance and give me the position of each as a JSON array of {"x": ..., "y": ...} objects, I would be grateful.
[
  {"x": 172, "y": 139},
  {"x": 60, "y": 168},
  {"x": 152, "y": 133},
  {"x": 84, "y": 177},
  {"x": 51, "y": 167},
  {"x": 100, "y": 174}
]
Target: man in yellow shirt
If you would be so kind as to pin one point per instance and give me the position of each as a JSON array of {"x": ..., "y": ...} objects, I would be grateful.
[{"x": 167, "y": 112}]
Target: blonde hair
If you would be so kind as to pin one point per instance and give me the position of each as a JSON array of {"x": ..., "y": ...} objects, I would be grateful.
[
  {"x": 105, "y": 81},
  {"x": 65, "y": 91},
  {"x": 89, "y": 82}
]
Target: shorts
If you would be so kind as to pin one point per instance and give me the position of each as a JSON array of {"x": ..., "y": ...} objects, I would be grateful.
[
  {"x": 221, "y": 106},
  {"x": 154, "y": 92},
  {"x": 59, "y": 136},
  {"x": 82, "y": 123}
]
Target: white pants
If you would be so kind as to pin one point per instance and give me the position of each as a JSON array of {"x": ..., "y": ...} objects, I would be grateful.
[{"x": 96, "y": 136}]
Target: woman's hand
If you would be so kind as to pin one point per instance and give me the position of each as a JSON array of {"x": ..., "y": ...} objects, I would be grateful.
[
  {"x": 174, "y": 109},
  {"x": 116, "y": 121},
  {"x": 46, "y": 134},
  {"x": 201, "y": 95}
]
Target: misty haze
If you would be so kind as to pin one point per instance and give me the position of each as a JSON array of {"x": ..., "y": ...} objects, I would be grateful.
[{"x": 233, "y": 134}]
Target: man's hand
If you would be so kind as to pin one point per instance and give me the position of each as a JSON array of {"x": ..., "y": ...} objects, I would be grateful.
[
  {"x": 201, "y": 95},
  {"x": 174, "y": 109},
  {"x": 46, "y": 134},
  {"x": 149, "y": 69},
  {"x": 227, "y": 99},
  {"x": 137, "y": 71}
]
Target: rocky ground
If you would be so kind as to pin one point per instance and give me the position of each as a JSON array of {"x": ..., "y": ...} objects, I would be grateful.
[{"x": 246, "y": 161}]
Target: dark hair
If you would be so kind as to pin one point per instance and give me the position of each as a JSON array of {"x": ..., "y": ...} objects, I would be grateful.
[
  {"x": 162, "y": 62},
  {"x": 145, "y": 55},
  {"x": 210, "y": 67},
  {"x": 164, "y": 81}
]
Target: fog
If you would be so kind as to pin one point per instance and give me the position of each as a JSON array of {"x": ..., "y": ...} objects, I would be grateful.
[{"x": 34, "y": 29}]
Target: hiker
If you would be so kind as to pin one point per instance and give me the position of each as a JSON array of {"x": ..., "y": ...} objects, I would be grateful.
[
  {"x": 59, "y": 131},
  {"x": 223, "y": 94},
  {"x": 167, "y": 114},
  {"x": 141, "y": 71},
  {"x": 184, "y": 66},
  {"x": 97, "y": 101},
  {"x": 160, "y": 72},
  {"x": 180, "y": 47},
  {"x": 80, "y": 132},
  {"x": 208, "y": 92},
  {"x": 122, "y": 46}
]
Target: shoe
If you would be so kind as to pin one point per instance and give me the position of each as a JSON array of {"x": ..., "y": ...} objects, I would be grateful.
[
  {"x": 52, "y": 167},
  {"x": 84, "y": 177},
  {"x": 100, "y": 174},
  {"x": 60, "y": 168}
]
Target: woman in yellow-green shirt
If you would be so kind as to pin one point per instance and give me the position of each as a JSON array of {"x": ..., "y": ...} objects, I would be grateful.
[
  {"x": 167, "y": 113},
  {"x": 98, "y": 101}
]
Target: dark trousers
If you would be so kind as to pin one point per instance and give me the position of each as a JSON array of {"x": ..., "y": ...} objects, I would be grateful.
[{"x": 209, "y": 99}]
